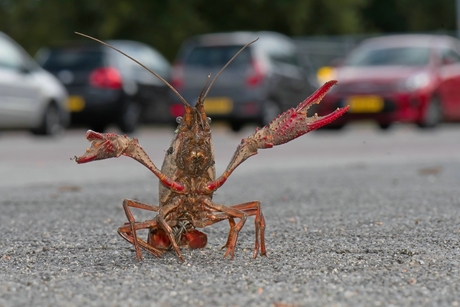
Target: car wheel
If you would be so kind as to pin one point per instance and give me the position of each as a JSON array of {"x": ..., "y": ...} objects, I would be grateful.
[
  {"x": 98, "y": 126},
  {"x": 130, "y": 117},
  {"x": 51, "y": 124},
  {"x": 270, "y": 110},
  {"x": 332, "y": 127},
  {"x": 433, "y": 114},
  {"x": 236, "y": 125},
  {"x": 384, "y": 126}
]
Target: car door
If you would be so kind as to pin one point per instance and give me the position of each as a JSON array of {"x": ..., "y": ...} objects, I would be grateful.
[
  {"x": 292, "y": 84},
  {"x": 449, "y": 87},
  {"x": 18, "y": 90},
  {"x": 149, "y": 91}
]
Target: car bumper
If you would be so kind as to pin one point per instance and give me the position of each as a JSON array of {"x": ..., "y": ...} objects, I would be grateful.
[
  {"x": 226, "y": 108},
  {"x": 395, "y": 107},
  {"x": 95, "y": 104}
]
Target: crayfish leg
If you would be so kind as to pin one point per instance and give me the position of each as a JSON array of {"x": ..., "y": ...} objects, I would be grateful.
[
  {"x": 253, "y": 208},
  {"x": 129, "y": 230},
  {"x": 126, "y": 233}
]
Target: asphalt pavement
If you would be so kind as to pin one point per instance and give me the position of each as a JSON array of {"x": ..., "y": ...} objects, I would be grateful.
[{"x": 354, "y": 218}]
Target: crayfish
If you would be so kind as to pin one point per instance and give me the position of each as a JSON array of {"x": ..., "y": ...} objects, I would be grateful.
[{"x": 188, "y": 178}]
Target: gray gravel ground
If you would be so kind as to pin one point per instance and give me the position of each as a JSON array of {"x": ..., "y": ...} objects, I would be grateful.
[{"x": 352, "y": 235}]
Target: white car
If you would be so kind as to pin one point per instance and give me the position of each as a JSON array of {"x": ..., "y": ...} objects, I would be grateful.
[{"x": 30, "y": 97}]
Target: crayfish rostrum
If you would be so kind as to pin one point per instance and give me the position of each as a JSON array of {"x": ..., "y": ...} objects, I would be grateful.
[{"x": 188, "y": 179}]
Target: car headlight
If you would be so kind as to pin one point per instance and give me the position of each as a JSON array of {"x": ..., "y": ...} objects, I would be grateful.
[
  {"x": 325, "y": 74},
  {"x": 416, "y": 82}
]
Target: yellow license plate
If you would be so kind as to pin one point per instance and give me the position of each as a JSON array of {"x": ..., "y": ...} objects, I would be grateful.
[
  {"x": 365, "y": 104},
  {"x": 218, "y": 105},
  {"x": 75, "y": 103}
]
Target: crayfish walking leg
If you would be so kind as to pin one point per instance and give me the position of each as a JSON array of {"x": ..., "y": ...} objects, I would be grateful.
[
  {"x": 125, "y": 232},
  {"x": 129, "y": 230},
  {"x": 251, "y": 208},
  {"x": 241, "y": 211}
]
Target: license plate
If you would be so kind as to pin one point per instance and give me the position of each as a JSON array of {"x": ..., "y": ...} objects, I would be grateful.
[
  {"x": 365, "y": 104},
  {"x": 75, "y": 103},
  {"x": 218, "y": 105}
]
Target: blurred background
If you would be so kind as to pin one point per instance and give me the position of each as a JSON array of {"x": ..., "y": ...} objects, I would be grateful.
[
  {"x": 166, "y": 24},
  {"x": 378, "y": 189},
  {"x": 309, "y": 41}
]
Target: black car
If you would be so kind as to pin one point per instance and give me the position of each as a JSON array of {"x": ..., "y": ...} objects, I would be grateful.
[
  {"x": 105, "y": 87},
  {"x": 265, "y": 79}
]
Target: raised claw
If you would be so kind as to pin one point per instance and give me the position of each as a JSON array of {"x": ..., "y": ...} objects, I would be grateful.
[
  {"x": 295, "y": 122},
  {"x": 105, "y": 145},
  {"x": 286, "y": 127},
  {"x": 111, "y": 145}
]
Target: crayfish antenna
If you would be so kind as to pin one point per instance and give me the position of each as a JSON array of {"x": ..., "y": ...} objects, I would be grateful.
[
  {"x": 199, "y": 106},
  {"x": 223, "y": 68},
  {"x": 202, "y": 97},
  {"x": 142, "y": 65}
]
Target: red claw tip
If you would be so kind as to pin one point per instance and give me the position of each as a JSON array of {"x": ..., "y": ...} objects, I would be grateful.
[
  {"x": 92, "y": 135},
  {"x": 328, "y": 118},
  {"x": 85, "y": 159}
]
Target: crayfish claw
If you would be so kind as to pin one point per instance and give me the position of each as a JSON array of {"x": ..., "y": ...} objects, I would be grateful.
[
  {"x": 295, "y": 122},
  {"x": 104, "y": 145}
]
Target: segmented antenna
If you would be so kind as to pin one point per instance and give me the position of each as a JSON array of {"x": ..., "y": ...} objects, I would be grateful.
[
  {"x": 143, "y": 66},
  {"x": 200, "y": 98}
]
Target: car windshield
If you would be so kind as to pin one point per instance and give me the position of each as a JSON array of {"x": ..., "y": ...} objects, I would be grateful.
[
  {"x": 218, "y": 56},
  {"x": 72, "y": 60},
  {"x": 400, "y": 56}
]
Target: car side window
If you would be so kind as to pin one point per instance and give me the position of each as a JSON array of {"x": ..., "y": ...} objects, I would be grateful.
[
  {"x": 156, "y": 61},
  {"x": 10, "y": 56},
  {"x": 282, "y": 53},
  {"x": 449, "y": 56},
  {"x": 148, "y": 57},
  {"x": 289, "y": 58}
]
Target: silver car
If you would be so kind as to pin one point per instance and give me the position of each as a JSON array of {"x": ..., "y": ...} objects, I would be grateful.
[
  {"x": 266, "y": 78},
  {"x": 30, "y": 97}
]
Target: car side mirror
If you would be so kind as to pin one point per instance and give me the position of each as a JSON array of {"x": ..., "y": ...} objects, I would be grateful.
[
  {"x": 24, "y": 69},
  {"x": 447, "y": 60}
]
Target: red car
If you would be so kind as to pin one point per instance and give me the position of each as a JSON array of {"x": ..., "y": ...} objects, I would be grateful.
[{"x": 401, "y": 78}]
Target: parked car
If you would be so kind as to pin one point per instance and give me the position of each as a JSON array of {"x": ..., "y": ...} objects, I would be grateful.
[
  {"x": 106, "y": 87},
  {"x": 30, "y": 97},
  {"x": 265, "y": 79},
  {"x": 399, "y": 78}
]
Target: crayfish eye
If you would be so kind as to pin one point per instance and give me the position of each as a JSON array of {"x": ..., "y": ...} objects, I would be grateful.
[
  {"x": 209, "y": 120},
  {"x": 179, "y": 119}
]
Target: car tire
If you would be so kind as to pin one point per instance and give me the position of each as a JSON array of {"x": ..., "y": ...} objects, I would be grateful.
[
  {"x": 98, "y": 126},
  {"x": 51, "y": 124},
  {"x": 433, "y": 114},
  {"x": 270, "y": 111},
  {"x": 332, "y": 127},
  {"x": 130, "y": 117},
  {"x": 236, "y": 125},
  {"x": 384, "y": 126}
]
